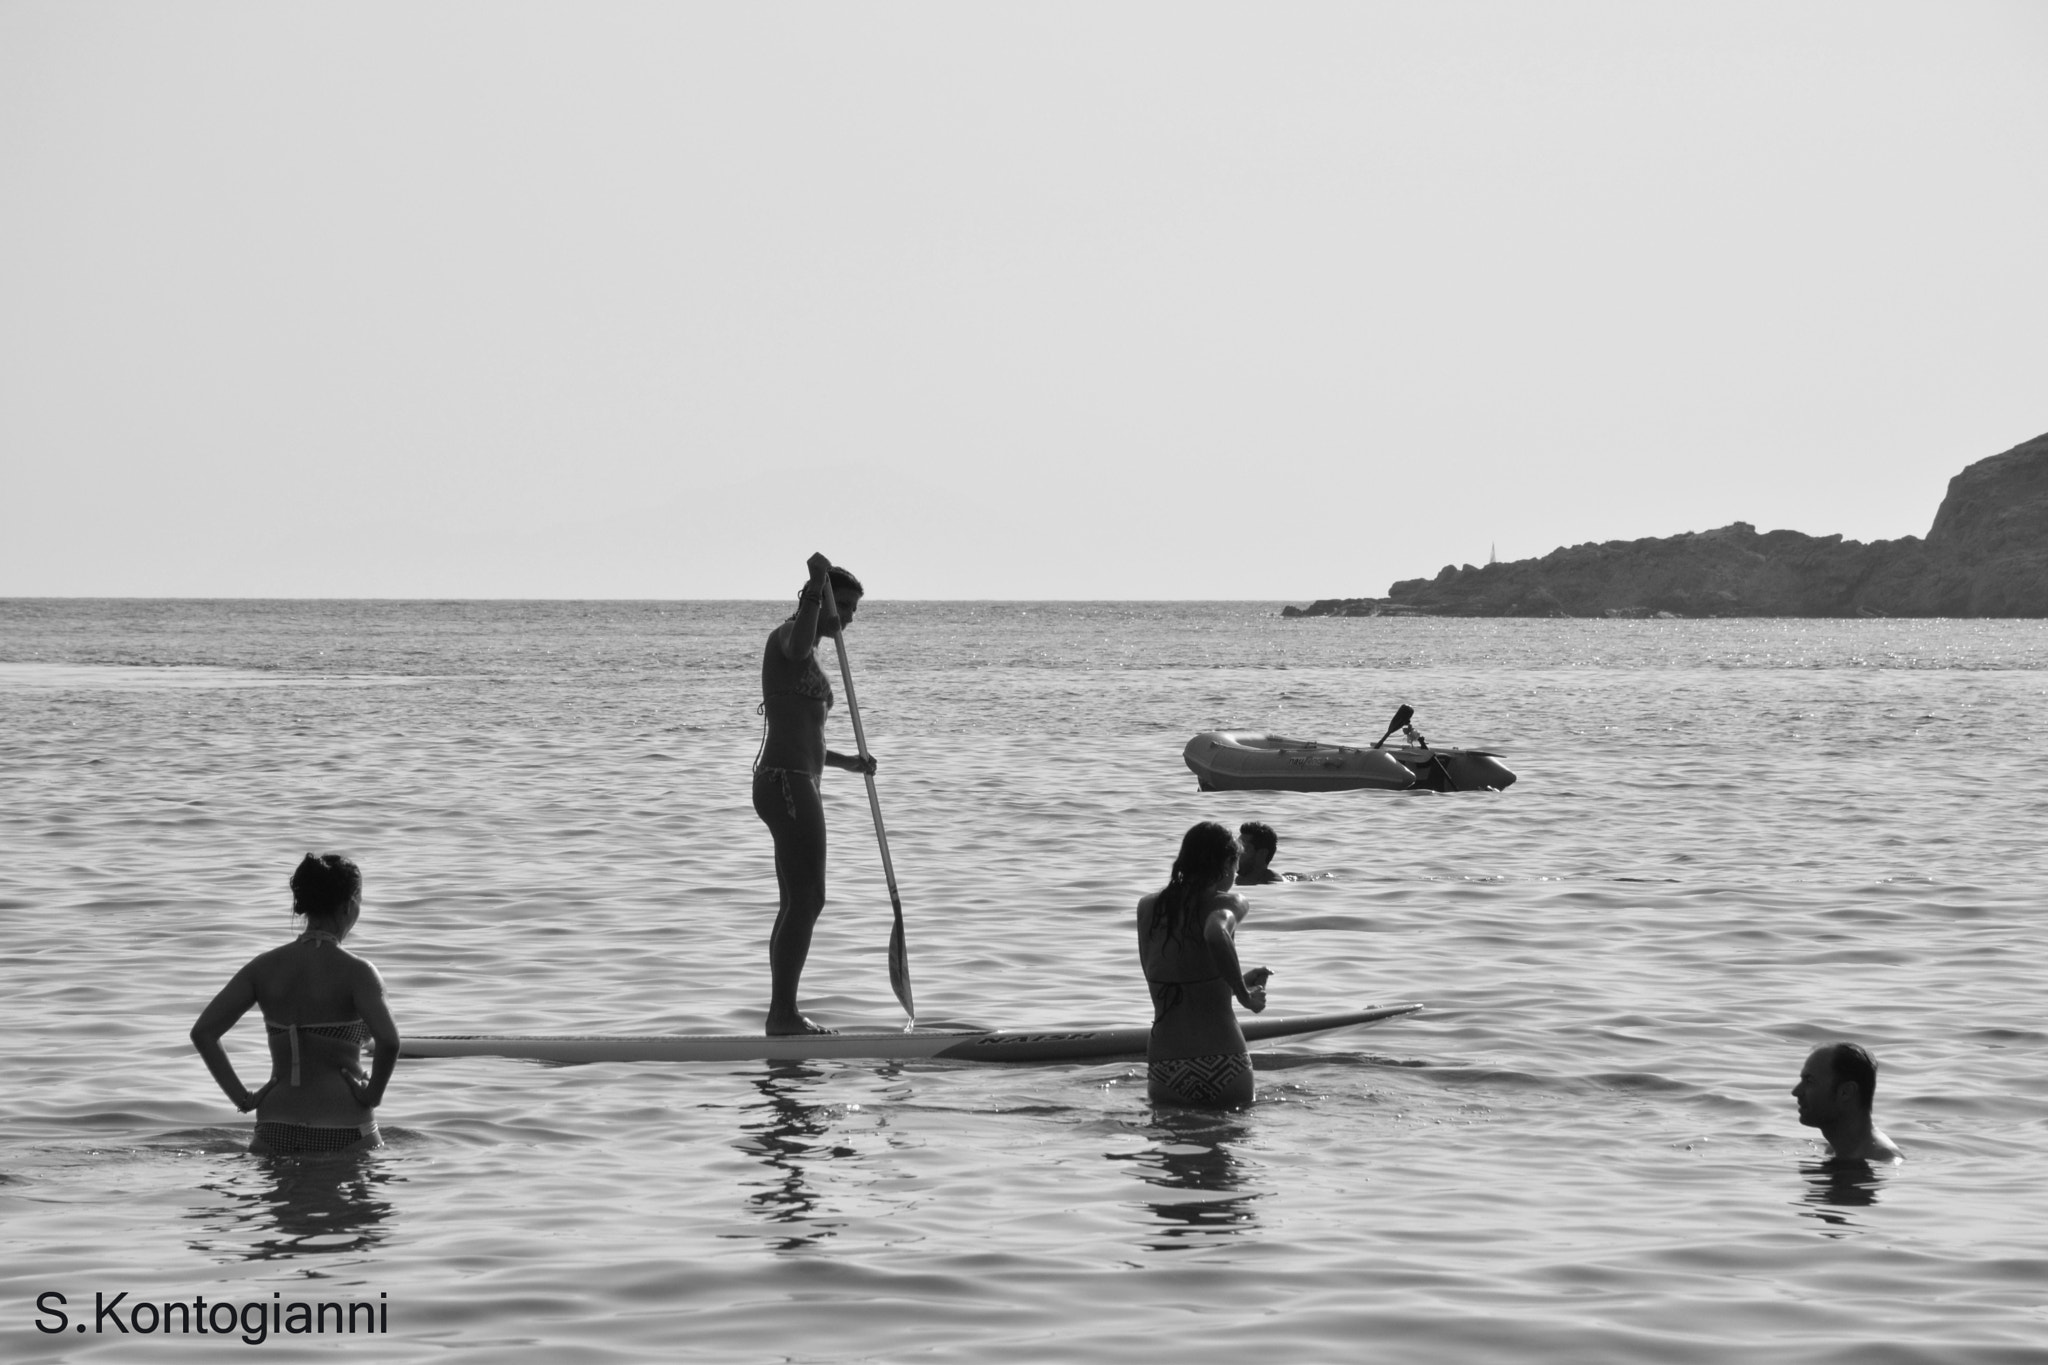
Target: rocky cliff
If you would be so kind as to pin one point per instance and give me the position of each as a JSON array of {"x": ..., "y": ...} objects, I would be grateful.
[{"x": 1985, "y": 555}]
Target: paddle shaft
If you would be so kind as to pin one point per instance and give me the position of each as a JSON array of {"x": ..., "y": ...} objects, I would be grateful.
[
  {"x": 860, "y": 741},
  {"x": 899, "y": 953}
]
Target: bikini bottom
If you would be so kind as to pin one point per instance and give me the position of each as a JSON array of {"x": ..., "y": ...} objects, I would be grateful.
[
  {"x": 788, "y": 802},
  {"x": 297, "y": 1139},
  {"x": 1222, "y": 1080}
]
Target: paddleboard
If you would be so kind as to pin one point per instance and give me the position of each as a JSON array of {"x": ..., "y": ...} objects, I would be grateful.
[{"x": 990, "y": 1045}]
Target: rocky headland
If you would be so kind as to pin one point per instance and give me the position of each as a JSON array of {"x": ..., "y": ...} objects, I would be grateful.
[{"x": 1985, "y": 555}]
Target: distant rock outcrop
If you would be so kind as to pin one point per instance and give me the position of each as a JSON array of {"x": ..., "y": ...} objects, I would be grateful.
[{"x": 1985, "y": 555}]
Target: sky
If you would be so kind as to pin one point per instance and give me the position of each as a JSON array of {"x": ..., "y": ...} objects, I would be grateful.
[{"x": 1102, "y": 300}]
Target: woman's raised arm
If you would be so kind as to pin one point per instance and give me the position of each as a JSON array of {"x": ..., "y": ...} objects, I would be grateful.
[{"x": 803, "y": 635}]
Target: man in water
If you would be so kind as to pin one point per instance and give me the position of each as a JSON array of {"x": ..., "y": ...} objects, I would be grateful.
[
  {"x": 1834, "y": 1093},
  {"x": 1255, "y": 867}
]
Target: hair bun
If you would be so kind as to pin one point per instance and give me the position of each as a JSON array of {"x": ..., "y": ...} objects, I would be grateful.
[{"x": 324, "y": 884}]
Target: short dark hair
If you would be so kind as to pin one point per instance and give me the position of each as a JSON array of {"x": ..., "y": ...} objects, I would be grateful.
[
  {"x": 1255, "y": 834},
  {"x": 843, "y": 578},
  {"x": 1851, "y": 1062},
  {"x": 324, "y": 884}
]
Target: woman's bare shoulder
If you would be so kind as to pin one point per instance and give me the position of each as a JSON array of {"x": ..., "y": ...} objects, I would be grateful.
[
  {"x": 264, "y": 960},
  {"x": 1227, "y": 904}
]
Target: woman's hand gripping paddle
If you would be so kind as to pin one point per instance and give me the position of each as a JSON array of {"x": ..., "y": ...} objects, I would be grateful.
[{"x": 899, "y": 949}]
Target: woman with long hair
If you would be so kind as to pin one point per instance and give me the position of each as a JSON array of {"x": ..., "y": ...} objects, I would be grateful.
[
  {"x": 1187, "y": 945},
  {"x": 795, "y": 696},
  {"x": 321, "y": 1006}
]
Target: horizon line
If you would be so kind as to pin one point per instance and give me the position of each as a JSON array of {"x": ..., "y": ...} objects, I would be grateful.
[{"x": 867, "y": 599}]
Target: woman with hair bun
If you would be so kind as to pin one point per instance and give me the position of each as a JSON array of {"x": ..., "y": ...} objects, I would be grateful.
[
  {"x": 795, "y": 696},
  {"x": 321, "y": 1005},
  {"x": 1187, "y": 945}
]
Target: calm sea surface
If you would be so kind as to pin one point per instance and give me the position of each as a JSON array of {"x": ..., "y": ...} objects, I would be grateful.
[{"x": 1730, "y": 840}]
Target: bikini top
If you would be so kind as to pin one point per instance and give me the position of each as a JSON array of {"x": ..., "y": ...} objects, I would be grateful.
[
  {"x": 1185, "y": 980},
  {"x": 1173, "y": 994},
  {"x": 809, "y": 683},
  {"x": 353, "y": 1031}
]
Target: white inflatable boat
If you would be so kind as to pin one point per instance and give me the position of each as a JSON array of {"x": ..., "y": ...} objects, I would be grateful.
[{"x": 1239, "y": 760}]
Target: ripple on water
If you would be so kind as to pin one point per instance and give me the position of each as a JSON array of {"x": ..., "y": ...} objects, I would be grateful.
[{"x": 1583, "y": 1150}]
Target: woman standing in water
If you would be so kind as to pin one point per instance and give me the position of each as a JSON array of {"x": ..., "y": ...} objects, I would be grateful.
[
  {"x": 1187, "y": 945},
  {"x": 321, "y": 1004},
  {"x": 795, "y": 697}
]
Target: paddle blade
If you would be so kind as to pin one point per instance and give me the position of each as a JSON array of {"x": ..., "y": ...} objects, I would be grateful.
[
  {"x": 899, "y": 969},
  {"x": 1401, "y": 718}
]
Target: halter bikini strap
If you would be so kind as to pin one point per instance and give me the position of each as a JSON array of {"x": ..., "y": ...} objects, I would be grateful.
[{"x": 321, "y": 938}]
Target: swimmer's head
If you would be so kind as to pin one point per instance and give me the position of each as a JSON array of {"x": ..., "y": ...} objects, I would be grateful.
[
  {"x": 1260, "y": 843},
  {"x": 325, "y": 885},
  {"x": 1838, "y": 1081},
  {"x": 1207, "y": 852}
]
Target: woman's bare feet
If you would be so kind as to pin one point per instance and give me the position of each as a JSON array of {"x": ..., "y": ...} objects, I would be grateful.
[{"x": 794, "y": 1026}]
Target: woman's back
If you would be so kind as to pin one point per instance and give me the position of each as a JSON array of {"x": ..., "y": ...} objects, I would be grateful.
[
  {"x": 321, "y": 1005},
  {"x": 1187, "y": 945},
  {"x": 1192, "y": 1012},
  {"x": 306, "y": 981},
  {"x": 308, "y": 992}
]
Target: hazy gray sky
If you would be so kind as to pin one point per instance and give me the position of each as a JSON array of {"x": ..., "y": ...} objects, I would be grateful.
[{"x": 1037, "y": 300}]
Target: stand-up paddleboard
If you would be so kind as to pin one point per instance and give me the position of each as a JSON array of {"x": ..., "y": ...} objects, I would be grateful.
[{"x": 991, "y": 1045}]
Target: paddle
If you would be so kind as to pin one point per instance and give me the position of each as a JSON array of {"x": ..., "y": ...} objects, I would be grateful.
[
  {"x": 899, "y": 949},
  {"x": 1440, "y": 777}
]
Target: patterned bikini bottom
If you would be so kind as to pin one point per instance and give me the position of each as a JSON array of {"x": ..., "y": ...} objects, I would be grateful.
[
  {"x": 297, "y": 1139},
  {"x": 1219, "y": 1080}
]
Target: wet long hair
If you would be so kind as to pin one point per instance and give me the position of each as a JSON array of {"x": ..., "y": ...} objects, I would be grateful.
[
  {"x": 324, "y": 884},
  {"x": 1205, "y": 851}
]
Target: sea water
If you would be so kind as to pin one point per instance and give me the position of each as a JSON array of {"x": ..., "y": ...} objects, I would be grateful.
[{"x": 1729, "y": 841}]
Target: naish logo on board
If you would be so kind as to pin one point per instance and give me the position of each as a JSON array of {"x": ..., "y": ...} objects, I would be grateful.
[{"x": 1011, "y": 1039}]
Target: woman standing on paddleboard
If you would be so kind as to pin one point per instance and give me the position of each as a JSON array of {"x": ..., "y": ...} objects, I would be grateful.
[
  {"x": 794, "y": 698},
  {"x": 1187, "y": 945},
  {"x": 321, "y": 1005}
]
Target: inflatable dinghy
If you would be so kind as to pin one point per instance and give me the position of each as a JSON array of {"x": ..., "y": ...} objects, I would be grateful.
[{"x": 1240, "y": 760}]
